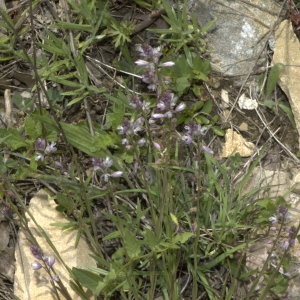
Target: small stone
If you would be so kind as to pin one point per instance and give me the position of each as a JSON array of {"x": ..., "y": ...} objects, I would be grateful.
[
  {"x": 243, "y": 126},
  {"x": 235, "y": 143},
  {"x": 225, "y": 99}
]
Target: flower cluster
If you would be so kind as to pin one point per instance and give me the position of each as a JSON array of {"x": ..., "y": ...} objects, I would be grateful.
[
  {"x": 167, "y": 107},
  {"x": 282, "y": 216},
  {"x": 103, "y": 165},
  {"x": 192, "y": 131},
  {"x": 150, "y": 62},
  {"x": 130, "y": 130},
  {"x": 46, "y": 259},
  {"x": 43, "y": 148}
]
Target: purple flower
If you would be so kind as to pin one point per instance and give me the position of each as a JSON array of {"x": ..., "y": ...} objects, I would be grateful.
[
  {"x": 43, "y": 148},
  {"x": 187, "y": 139},
  {"x": 96, "y": 162},
  {"x": 50, "y": 148},
  {"x": 149, "y": 53},
  {"x": 193, "y": 130},
  {"x": 49, "y": 260},
  {"x": 282, "y": 211},
  {"x": 273, "y": 219},
  {"x": 207, "y": 149},
  {"x": 36, "y": 252},
  {"x": 167, "y": 101},
  {"x": 157, "y": 146},
  {"x": 40, "y": 144},
  {"x": 103, "y": 165},
  {"x": 136, "y": 103},
  {"x": 36, "y": 265}
]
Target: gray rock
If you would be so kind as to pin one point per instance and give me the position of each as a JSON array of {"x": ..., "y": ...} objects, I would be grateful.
[{"x": 239, "y": 36}]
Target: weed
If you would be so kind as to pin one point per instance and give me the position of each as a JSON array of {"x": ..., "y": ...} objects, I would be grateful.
[{"x": 181, "y": 221}]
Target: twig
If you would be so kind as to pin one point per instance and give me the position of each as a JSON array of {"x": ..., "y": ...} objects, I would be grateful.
[{"x": 151, "y": 18}]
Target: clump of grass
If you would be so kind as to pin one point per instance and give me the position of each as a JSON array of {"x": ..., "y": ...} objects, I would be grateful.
[{"x": 181, "y": 222}]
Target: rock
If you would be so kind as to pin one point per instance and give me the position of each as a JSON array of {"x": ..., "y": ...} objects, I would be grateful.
[
  {"x": 274, "y": 183},
  {"x": 247, "y": 103},
  {"x": 240, "y": 33},
  {"x": 287, "y": 52},
  {"x": 30, "y": 284},
  {"x": 235, "y": 143}
]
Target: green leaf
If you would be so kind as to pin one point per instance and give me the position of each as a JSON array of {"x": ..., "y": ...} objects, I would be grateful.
[
  {"x": 207, "y": 108},
  {"x": 201, "y": 68},
  {"x": 12, "y": 138},
  {"x": 88, "y": 279},
  {"x": 174, "y": 219},
  {"x": 24, "y": 104},
  {"x": 218, "y": 131},
  {"x": 182, "y": 84},
  {"x": 182, "y": 237},
  {"x": 132, "y": 244},
  {"x": 288, "y": 112},
  {"x": 80, "y": 138},
  {"x": 33, "y": 128},
  {"x": 272, "y": 79},
  {"x": 150, "y": 239}
]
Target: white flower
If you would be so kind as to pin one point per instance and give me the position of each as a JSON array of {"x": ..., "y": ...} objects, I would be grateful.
[
  {"x": 141, "y": 62},
  {"x": 39, "y": 156},
  {"x": 167, "y": 64},
  {"x": 273, "y": 219}
]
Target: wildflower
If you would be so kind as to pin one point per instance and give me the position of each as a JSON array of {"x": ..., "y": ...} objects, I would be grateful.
[
  {"x": 136, "y": 103},
  {"x": 167, "y": 64},
  {"x": 150, "y": 62},
  {"x": 39, "y": 156},
  {"x": 141, "y": 62},
  {"x": 49, "y": 260},
  {"x": 285, "y": 245},
  {"x": 107, "y": 163},
  {"x": 157, "y": 146},
  {"x": 40, "y": 144},
  {"x": 273, "y": 219},
  {"x": 141, "y": 142},
  {"x": 193, "y": 130},
  {"x": 36, "y": 265},
  {"x": 103, "y": 165},
  {"x": 282, "y": 211},
  {"x": 117, "y": 174},
  {"x": 208, "y": 150},
  {"x": 50, "y": 148},
  {"x": 292, "y": 236},
  {"x": 180, "y": 107},
  {"x": 36, "y": 252},
  {"x": 167, "y": 106},
  {"x": 187, "y": 139},
  {"x": 149, "y": 53},
  {"x": 43, "y": 148},
  {"x": 96, "y": 162}
]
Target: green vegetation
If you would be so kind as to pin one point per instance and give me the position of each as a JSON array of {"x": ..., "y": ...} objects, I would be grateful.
[{"x": 181, "y": 221}]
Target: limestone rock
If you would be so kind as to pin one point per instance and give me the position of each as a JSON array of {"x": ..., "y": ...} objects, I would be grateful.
[
  {"x": 235, "y": 143},
  {"x": 287, "y": 52},
  {"x": 30, "y": 284}
]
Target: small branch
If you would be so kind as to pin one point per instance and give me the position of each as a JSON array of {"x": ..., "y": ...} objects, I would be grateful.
[{"x": 151, "y": 18}]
